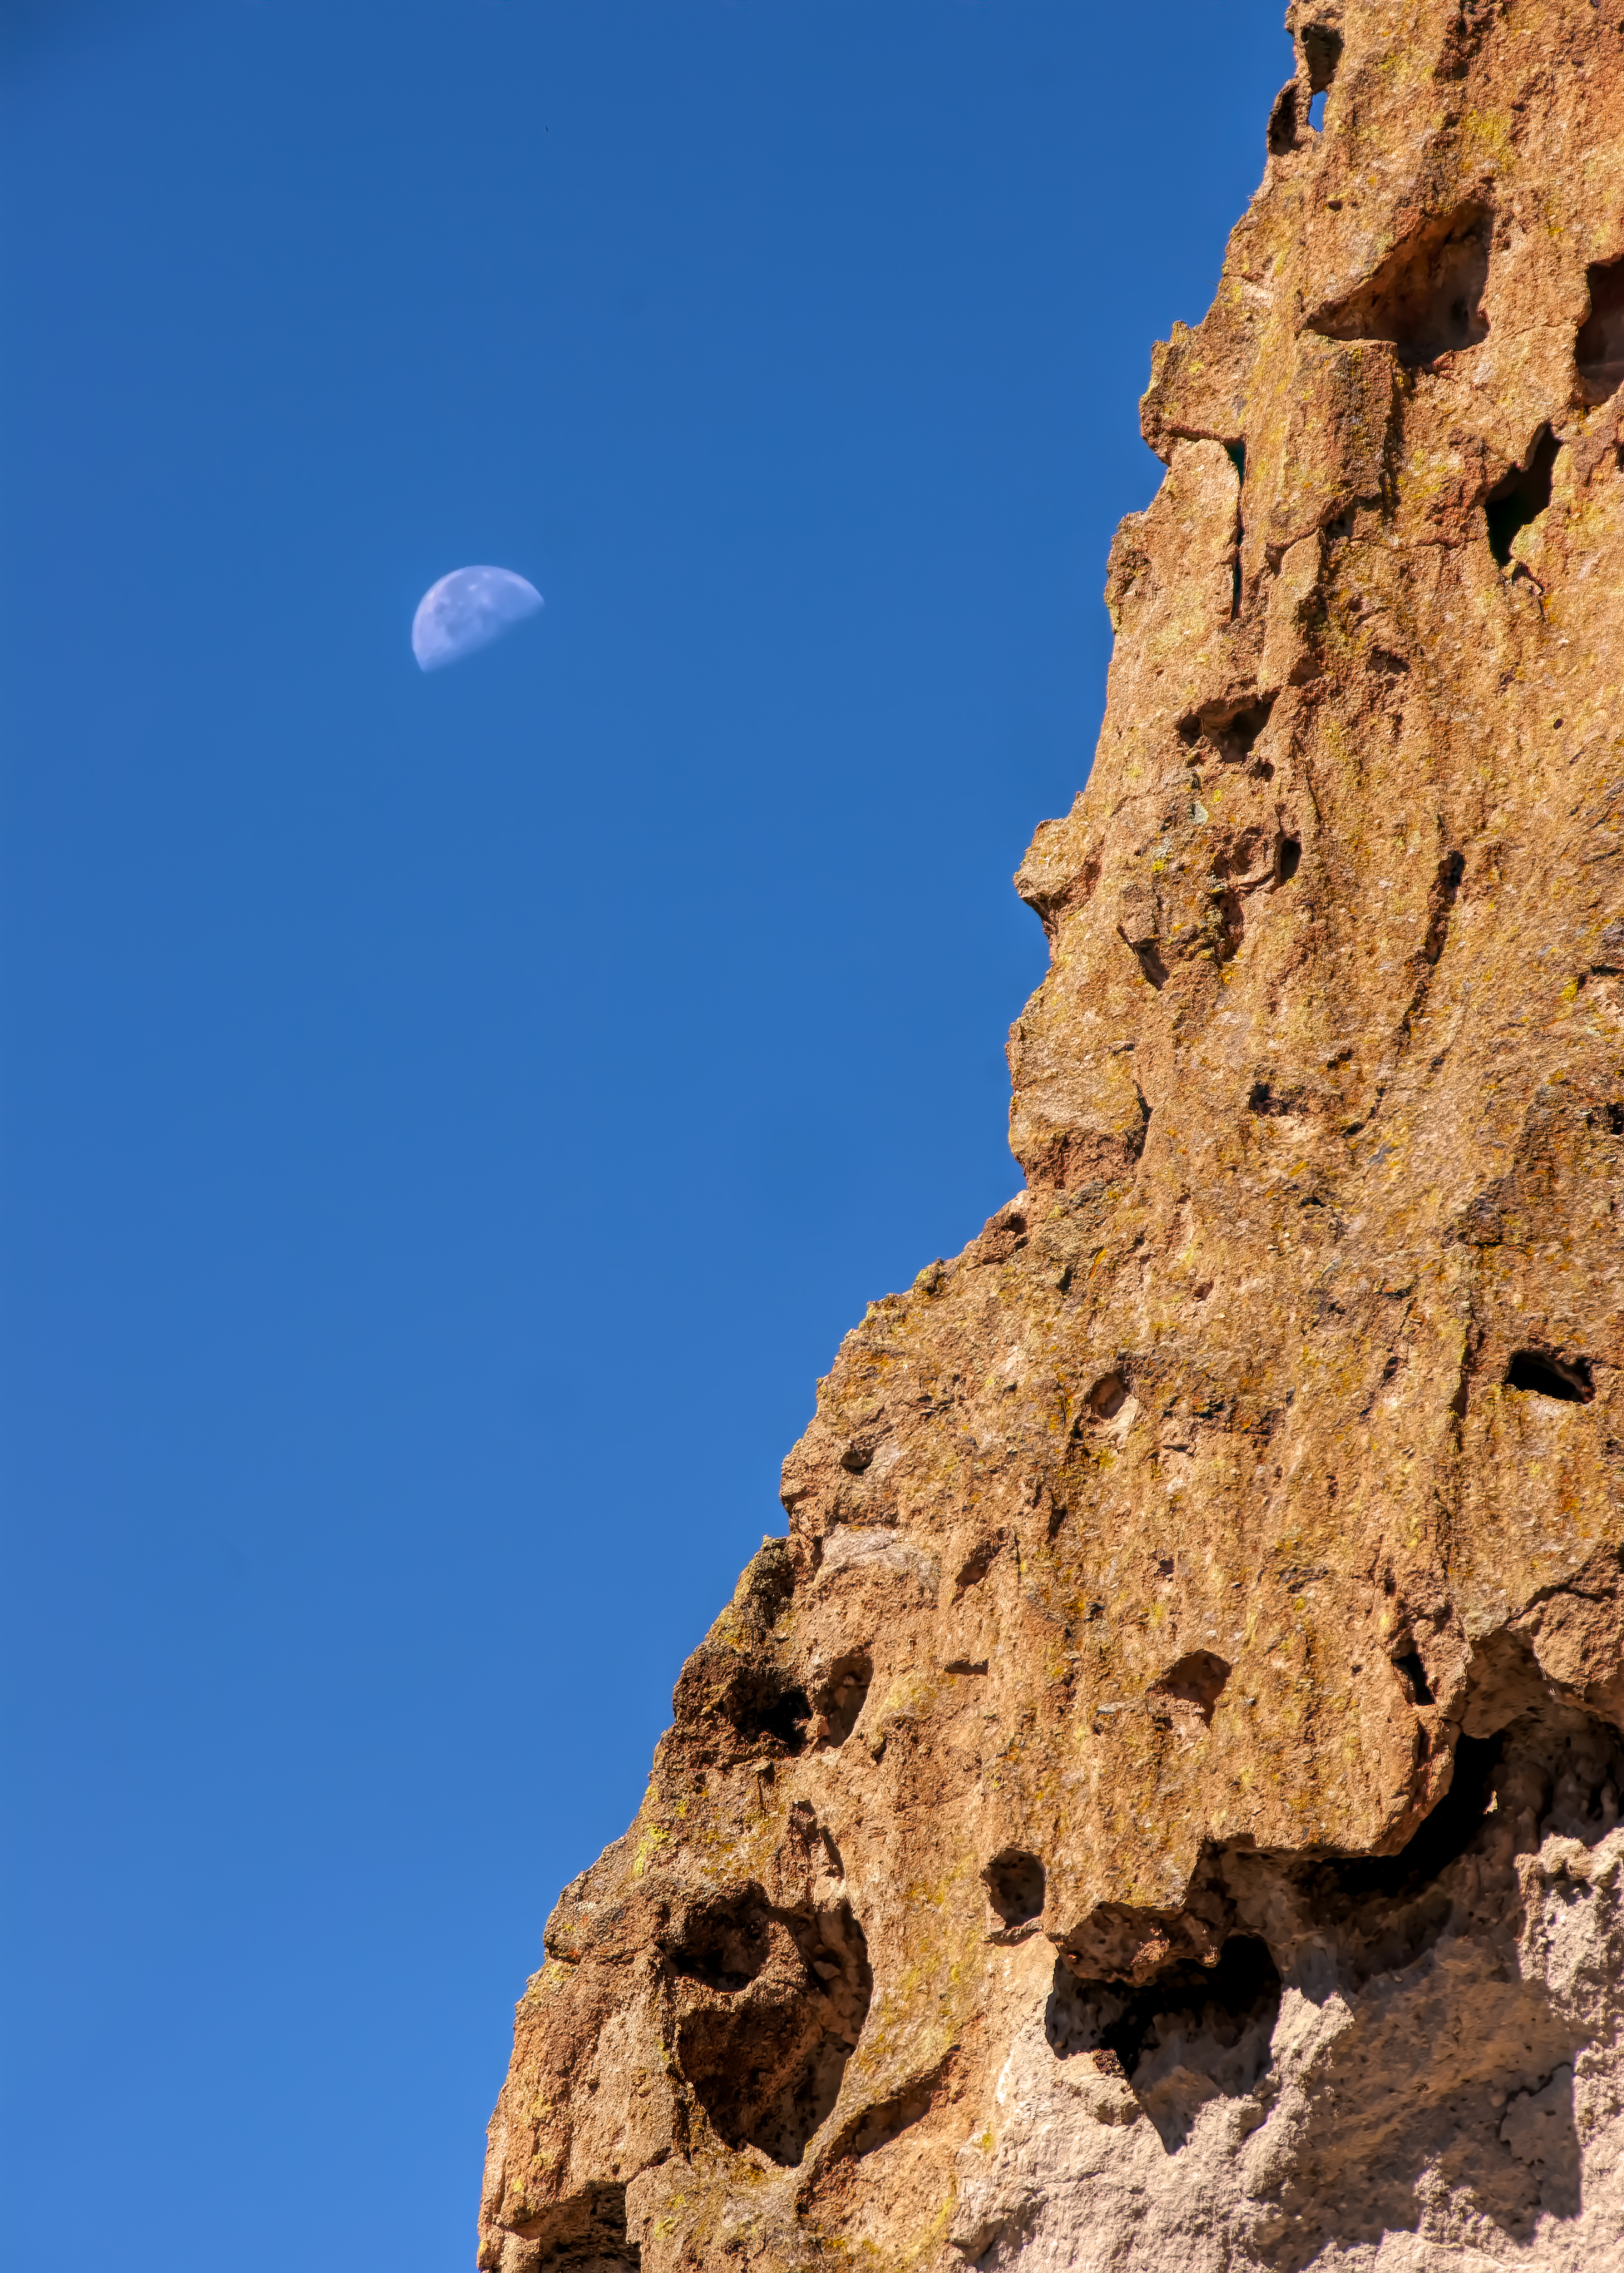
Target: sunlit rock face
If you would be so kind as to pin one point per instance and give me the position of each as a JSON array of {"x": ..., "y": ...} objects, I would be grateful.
[{"x": 1159, "y": 1806}]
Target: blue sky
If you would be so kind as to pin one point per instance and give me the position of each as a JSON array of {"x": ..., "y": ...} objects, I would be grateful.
[{"x": 449, "y": 1121}]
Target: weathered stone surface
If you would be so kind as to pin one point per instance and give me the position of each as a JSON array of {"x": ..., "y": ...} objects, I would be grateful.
[{"x": 1159, "y": 1807}]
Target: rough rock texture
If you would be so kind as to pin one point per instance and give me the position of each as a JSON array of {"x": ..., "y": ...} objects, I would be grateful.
[{"x": 1159, "y": 1806}]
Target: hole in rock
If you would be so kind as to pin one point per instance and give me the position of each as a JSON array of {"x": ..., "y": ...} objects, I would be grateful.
[
  {"x": 1549, "y": 1376},
  {"x": 1151, "y": 964},
  {"x": 1414, "y": 1673},
  {"x": 844, "y": 1694},
  {"x": 1520, "y": 497},
  {"x": 764, "y": 2055},
  {"x": 730, "y": 1707},
  {"x": 1108, "y": 1397},
  {"x": 1440, "y": 904},
  {"x": 1288, "y": 859},
  {"x": 723, "y": 1944},
  {"x": 1194, "y": 1685},
  {"x": 1615, "y": 1120},
  {"x": 765, "y": 1705},
  {"x": 1323, "y": 51},
  {"x": 1427, "y": 296},
  {"x": 1015, "y": 1885},
  {"x": 1210, "y": 2024},
  {"x": 1445, "y": 1835},
  {"x": 1237, "y": 452},
  {"x": 877, "y": 2126},
  {"x": 1316, "y": 113},
  {"x": 1261, "y": 1100},
  {"x": 583, "y": 2232},
  {"x": 1282, "y": 134},
  {"x": 1233, "y": 734},
  {"x": 1599, "y": 351}
]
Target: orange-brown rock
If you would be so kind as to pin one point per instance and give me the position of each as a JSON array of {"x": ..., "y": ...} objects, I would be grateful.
[{"x": 1158, "y": 1806}]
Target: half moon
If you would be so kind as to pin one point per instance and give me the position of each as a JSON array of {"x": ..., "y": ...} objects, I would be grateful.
[{"x": 466, "y": 610}]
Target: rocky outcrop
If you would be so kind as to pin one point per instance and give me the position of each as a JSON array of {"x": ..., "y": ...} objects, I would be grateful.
[{"x": 1159, "y": 1805}]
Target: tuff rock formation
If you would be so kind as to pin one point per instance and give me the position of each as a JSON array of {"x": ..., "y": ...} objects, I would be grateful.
[{"x": 1159, "y": 1808}]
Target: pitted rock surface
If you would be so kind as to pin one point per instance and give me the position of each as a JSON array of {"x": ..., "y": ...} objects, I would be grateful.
[{"x": 1159, "y": 1807}]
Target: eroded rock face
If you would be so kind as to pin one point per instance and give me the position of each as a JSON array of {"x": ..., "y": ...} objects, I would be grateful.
[{"x": 1159, "y": 1807}]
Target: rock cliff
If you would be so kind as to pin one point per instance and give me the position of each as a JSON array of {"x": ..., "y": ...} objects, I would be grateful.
[{"x": 1159, "y": 1805}]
